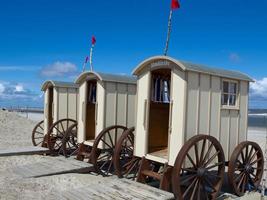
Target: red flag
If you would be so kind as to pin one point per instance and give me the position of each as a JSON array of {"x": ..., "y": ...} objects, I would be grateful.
[
  {"x": 93, "y": 40},
  {"x": 86, "y": 59},
  {"x": 175, "y": 4}
]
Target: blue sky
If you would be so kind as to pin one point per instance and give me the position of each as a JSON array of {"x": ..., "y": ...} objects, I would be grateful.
[{"x": 40, "y": 37}]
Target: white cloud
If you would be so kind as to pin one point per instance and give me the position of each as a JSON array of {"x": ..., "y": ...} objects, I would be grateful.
[
  {"x": 2, "y": 88},
  {"x": 19, "y": 88},
  {"x": 258, "y": 90},
  {"x": 19, "y": 68},
  {"x": 59, "y": 69},
  {"x": 234, "y": 57}
]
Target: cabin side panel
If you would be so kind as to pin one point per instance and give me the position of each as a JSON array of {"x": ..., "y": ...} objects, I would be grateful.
[
  {"x": 63, "y": 103},
  {"x": 82, "y": 109},
  {"x": 141, "y": 114},
  {"x": 215, "y": 107},
  {"x": 110, "y": 104},
  {"x": 55, "y": 107},
  {"x": 192, "y": 105},
  {"x": 243, "y": 123},
  {"x": 72, "y": 103},
  {"x": 234, "y": 130},
  {"x": 131, "y": 105},
  {"x": 224, "y": 131},
  {"x": 122, "y": 102},
  {"x": 46, "y": 101},
  {"x": 204, "y": 104}
]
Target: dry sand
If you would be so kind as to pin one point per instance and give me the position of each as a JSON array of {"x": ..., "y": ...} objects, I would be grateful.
[{"x": 15, "y": 131}]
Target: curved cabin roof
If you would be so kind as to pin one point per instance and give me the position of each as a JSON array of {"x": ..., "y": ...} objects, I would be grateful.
[
  {"x": 50, "y": 83},
  {"x": 157, "y": 61},
  {"x": 103, "y": 77}
]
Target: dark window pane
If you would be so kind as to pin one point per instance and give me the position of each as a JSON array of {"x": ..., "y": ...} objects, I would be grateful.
[
  {"x": 233, "y": 88},
  {"x": 224, "y": 99},
  {"x": 225, "y": 86},
  {"x": 232, "y": 100}
]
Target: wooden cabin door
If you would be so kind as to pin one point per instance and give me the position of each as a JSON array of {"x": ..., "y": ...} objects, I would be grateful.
[{"x": 142, "y": 111}]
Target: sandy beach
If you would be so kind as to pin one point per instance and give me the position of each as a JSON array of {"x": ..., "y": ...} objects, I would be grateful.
[{"x": 15, "y": 131}]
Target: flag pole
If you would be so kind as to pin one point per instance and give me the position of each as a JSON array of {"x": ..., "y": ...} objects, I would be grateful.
[
  {"x": 91, "y": 57},
  {"x": 168, "y": 34},
  {"x": 83, "y": 66}
]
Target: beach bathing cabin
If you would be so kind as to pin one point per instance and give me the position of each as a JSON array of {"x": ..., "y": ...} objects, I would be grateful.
[
  {"x": 60, "y": 102},
  {"x": 177, "y": 100},
  {"x": 105, "y": 100}
]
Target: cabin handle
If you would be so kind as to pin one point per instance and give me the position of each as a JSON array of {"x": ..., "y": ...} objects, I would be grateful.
[
  {"x": 96, "y": 110},
  {"x": 83, "y": 107},
  {"x": 170, "y": 117},
  {"x": 145, "y": 113}
]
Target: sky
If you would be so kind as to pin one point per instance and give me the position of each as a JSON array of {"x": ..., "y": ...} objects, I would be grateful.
[{"x": 44, "y": 39}]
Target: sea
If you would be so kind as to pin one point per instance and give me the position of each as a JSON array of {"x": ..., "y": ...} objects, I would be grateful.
[{"x": 257, "y": 118}]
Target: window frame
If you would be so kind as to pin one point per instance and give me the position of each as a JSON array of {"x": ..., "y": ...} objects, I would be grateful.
[{"x": 228, "y": 106}]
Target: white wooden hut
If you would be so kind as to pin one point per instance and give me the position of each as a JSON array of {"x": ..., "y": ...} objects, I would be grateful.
[
  {"x": 60, "y": 102},
  {"x": 177, "y": 100},
  {"x": 105, "y": 100}
]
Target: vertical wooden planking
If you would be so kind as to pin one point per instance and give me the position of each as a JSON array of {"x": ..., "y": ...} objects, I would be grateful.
[
  {"x": 141, "y": 121},
  {"x": 72, "y": 103},
  {"x": 204, "y": 104},
  {"x": 177, "y": 128},
  {"x": 100, "y": 107},
  {"x": 192, "y": 104},
  {"x": 46, "y": 101},
  {"x": 55, "y": 104},
  {"x": 82, "y": 109},
  {"x": 121, "y": 104},
  {"x": 243, "y": 102},
  {"x": 131, "y": 105},
  {"x": 234, "y": 122},
  {"x": 215, "y": 104},
  {"x": 63, "y": 103},
  {"x": 110, "y": 112},
  {"x": 225, "y": 128}
]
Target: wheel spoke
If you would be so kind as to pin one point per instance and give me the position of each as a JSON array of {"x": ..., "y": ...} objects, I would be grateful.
[
  {"x": 106, "y": 143},
  {"x": 252, "y": 157},
  {"x": 212, "y": 158},
  {"x": 259, "y": 159},
  {"x": 207, "y": 154},
  {"x": 215, "y": 165},
  {"x": 191, "y": 160},
  {"x": 189, "y": 187},
  {"x": 110, "y": 139},
  {"x": 196, "y": 153},
  {"x": 202, "y": 150},
  {"x": 187, "y": 179},
  {"x": 194, "y": 190}
]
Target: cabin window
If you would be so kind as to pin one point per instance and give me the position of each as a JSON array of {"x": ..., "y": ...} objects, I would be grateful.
[
  {"x": 160, "y": 89},
  {"x": 229, "y": 93},
  {"x": 92, "y": 92}
]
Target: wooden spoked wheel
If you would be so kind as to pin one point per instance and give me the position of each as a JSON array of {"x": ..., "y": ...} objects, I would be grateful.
[
  {"x": 56, "y": 134},
  {"x": 38, "y": 134},
  {"x": 246, "y": 167},
  {"x": 125, "y": 163},
  {"x": 199, "y": 169},
  {"x": 69, "y": 142},
  {"x": 103, "y": 149}
]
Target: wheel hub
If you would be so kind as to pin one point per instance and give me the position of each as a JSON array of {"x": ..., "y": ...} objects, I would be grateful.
[
  {"x": 201, "y": 172},
  {"x": 248, "y": 168}
]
